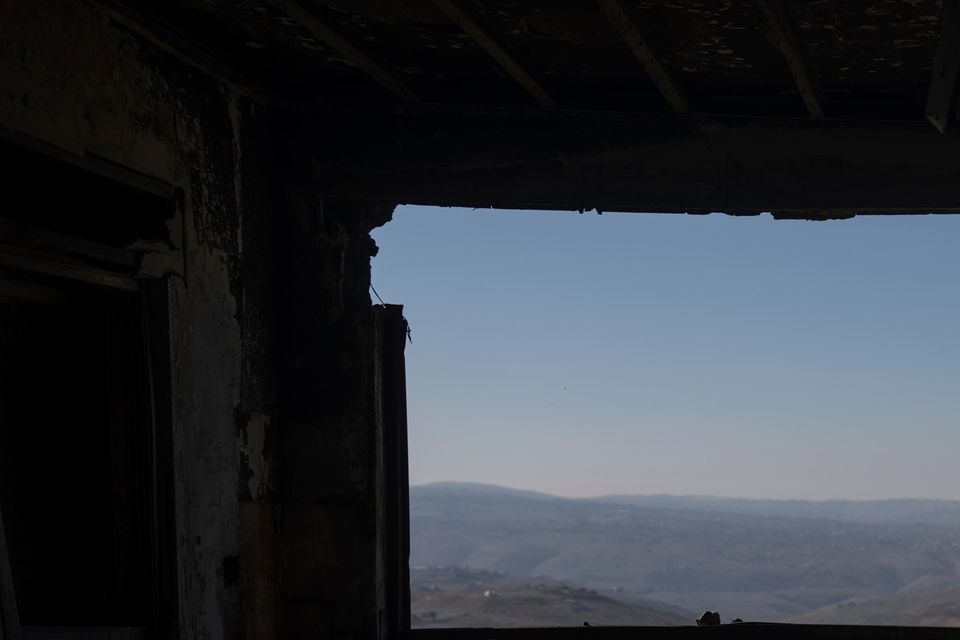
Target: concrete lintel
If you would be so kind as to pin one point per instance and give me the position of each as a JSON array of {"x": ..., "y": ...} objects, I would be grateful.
[{"x": 801, "y": 168}]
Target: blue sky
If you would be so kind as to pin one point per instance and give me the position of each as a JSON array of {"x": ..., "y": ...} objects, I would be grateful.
[{"x": 644, "y": 353}]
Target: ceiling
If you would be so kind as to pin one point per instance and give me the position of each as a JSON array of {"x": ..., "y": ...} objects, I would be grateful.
[{"x": 856, "y": 59}]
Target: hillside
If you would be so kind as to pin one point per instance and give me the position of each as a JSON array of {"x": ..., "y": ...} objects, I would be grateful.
[
  {"x": 928, "y": 607},
  {"x": 461, "y": 597},
  {"x": 753, "y": 561}
]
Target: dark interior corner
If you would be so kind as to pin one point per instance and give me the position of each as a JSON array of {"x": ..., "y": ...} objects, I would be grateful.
[{"x": 202, "y": 413}]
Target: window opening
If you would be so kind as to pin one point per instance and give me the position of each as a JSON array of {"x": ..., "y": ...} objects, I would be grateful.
[{"x": 635, "y": 419}]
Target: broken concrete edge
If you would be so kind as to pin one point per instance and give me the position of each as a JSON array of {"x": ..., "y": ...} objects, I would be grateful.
[{"x": 797, "y": 169}]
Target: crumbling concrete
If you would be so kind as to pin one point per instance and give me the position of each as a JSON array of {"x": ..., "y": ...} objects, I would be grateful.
[
  {"x": 328, "y": 448},
  {"x": 77, "y": 80},
  {"x": 270, "y": 330}
]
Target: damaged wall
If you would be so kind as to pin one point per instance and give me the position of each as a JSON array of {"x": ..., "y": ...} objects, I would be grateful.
[
  {"x": 329, "y": 457},
  {"x": 74, "y": 77},
  {"x": 77, "y": 77}
]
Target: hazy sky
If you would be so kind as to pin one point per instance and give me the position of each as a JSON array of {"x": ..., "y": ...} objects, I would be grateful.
[{"x": 641, "y": 353}]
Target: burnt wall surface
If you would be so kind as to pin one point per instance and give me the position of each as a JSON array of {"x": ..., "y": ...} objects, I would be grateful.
[
  {"x": 270, "y": 322},
  {"x": 328, "y": 448}
]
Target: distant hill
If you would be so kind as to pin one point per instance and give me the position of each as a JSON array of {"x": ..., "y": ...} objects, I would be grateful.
[
  {"x": 897, "y": 511},
  {"x": 757, "y": 560},
  {"x": 462, "y": 597},
  {"x": 928, "y": 607}
]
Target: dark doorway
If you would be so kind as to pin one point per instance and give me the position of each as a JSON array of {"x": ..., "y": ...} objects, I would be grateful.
[
  {"x": 86, "y": 477},
  {"x": 75, "y": 469}
]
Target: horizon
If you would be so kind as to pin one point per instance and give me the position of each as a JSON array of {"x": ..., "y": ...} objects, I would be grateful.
[
  {"x": 489, "y": 485},
  {"x": 583, "y": 355}
]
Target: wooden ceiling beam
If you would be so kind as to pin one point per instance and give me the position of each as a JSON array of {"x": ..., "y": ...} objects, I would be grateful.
[
  {"x": 489, "y": 43},
  {"x": 351, "y": 54},
  {"x": 945, "y": 84},
  {"x": 784, "y": 34},
  {"x": 668, "y": 86}
]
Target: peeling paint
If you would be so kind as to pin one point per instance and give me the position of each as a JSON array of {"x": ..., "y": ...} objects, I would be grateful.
[{"x": 92, "y": 86}]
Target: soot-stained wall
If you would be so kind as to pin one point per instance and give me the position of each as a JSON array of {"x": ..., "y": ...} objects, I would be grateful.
[
  {"x": 331, "y": 583},
  {"x": 270, "y": 322}
]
